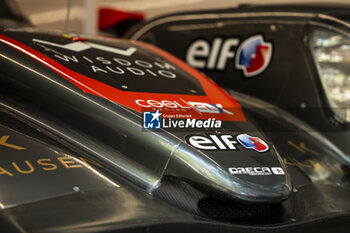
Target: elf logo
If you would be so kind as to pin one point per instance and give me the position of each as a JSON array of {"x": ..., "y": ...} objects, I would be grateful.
[
  {"x": 219, "y": 142},
  {"x": 252, "y": 143},
  {"x": 253, "y": 54}
]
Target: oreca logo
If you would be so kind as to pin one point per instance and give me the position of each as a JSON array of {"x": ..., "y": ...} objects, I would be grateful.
[{"x": 198, "y": 106}]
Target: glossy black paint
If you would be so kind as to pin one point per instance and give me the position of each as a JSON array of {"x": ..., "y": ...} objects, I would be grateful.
[
  {"x": 112, "y": 134},
  {"x": 126, "y": 210},
  {"x": 318, "y": 203},
  {"x": 46, "y": 117},
  {"x": 290, "y": 81},
  {"x": 34, "y": 167}
]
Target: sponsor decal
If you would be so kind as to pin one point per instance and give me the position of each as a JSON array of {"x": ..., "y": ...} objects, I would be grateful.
[
  {"x": 82, "y": 45},
  {"x": 109, "y": 65},
  {"x": 138, "y": 79},
  {"x": 44, "y": 164},
  {"x": 183, "y": 105},
  {"x": 212, "y": 142},
  {"x": 191, "y": 123},
  {"x": 4, "y": 142},
  {"x": 196, "y": 114},
  {"x": 301, "y": 147},
  {"x": 153, "y": 120},
  {"x": 202, "y": 55},
  {"x": 252, "y": 143},
  {"x": 310, "y": 165},
  {"x": 252, "y": 56},
  {"x": 226, "y": 142},
  {"x": 209, "y": 108},
  {"x": 256, "y": 171}
]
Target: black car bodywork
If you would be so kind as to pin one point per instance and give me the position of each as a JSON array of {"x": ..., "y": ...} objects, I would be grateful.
[
  {"x": 75, "y": 156},
  {"x": 290, "y": 79}
]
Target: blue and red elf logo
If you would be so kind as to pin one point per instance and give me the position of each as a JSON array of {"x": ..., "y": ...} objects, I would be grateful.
[
  {"x": 253, "y": 55},
  {"x": 252, "y": 143}
]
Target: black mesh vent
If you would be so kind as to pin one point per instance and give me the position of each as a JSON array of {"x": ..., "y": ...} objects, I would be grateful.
[{"x": 223, "y": 210}]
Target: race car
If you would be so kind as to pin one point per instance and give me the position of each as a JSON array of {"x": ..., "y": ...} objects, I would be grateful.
[
  {"x": 295, "y": 57},
  {"x": 107, "y": 135}
]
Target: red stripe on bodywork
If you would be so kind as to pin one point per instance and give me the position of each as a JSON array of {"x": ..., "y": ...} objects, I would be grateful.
[
  {"x": 111, "y": 17},
  {"x": 215, "y": 95}
]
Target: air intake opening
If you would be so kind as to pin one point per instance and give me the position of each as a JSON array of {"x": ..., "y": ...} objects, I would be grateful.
[{"x": 235, "y": 211}]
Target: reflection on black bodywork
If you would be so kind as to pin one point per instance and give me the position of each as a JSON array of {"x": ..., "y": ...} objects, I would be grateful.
[{"x": 33, "y": 165}]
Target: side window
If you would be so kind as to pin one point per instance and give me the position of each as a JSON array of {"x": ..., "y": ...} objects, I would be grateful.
[{"x": 331, "y": 53}]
